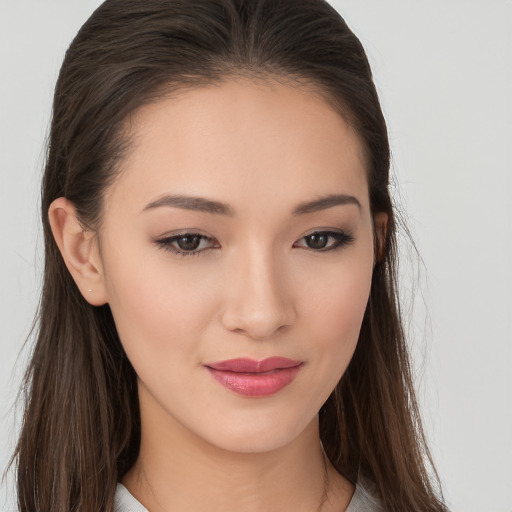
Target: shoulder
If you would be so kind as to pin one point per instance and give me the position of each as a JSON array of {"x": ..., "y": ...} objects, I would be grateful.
[
  {"x": 125, "y": 502},
  {"x": 365, "y": 498}
]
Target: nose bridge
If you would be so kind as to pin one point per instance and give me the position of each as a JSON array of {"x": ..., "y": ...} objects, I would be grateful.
[{"x": 259, "y": 301}]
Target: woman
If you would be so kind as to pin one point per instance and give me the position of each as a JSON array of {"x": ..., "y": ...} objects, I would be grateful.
[{"x": 219, "y": 324}]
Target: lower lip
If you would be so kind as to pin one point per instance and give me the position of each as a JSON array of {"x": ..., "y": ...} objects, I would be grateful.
[{"x": 255, "y": 384}]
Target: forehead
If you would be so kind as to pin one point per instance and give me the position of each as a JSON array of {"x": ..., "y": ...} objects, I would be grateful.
[{"x": 244, "y": 141}]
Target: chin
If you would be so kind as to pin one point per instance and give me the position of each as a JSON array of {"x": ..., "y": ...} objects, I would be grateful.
[{"x": 260, "y": 436}]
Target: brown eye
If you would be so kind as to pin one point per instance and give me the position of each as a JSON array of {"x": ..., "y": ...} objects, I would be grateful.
[
  {"x": 189, "y": 242},
  {"x": 317, "y": 240},
  {"x": 323, "y": 241}
]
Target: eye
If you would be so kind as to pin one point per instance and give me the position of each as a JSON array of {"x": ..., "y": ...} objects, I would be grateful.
[
  {"x": 325, "y": 240},
  {"x": 187, "y": 244}
]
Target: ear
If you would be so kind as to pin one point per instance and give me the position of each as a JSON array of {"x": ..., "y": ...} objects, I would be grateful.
[
  {"x": 79, "y": 249},
  {"x": 380, "y": 228}
]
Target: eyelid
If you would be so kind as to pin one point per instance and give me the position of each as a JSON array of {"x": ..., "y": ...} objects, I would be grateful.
[
  {"x": 166, "y": 241},
  {"x": 342, "y": 237}
]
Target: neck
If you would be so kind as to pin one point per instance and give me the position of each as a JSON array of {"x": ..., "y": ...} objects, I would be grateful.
[{"x": 176, "y": 470}]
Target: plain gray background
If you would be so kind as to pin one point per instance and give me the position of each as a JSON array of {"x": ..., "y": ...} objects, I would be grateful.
[{"x": 443, "y": 69}]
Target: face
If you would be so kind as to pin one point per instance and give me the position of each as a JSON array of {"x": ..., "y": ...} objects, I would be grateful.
[{"x": 238, "y": 233}]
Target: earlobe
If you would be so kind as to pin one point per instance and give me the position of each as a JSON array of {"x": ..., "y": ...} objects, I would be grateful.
[
  {"x": 380, "y": 227},
  {"x": 79, "y": 250}
]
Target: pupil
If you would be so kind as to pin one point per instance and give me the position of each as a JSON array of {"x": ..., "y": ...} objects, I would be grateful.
[
  {"x": 317, "y": 241},
  {"x": 189, "y": 243}
]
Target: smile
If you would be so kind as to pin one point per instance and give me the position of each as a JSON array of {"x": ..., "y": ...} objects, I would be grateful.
[{"x": 251, "y": 378}]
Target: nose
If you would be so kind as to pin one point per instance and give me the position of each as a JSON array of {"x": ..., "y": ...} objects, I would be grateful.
[{"x": 260, "y": 302}]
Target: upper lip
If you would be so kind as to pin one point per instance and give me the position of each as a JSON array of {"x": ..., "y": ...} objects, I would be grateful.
[{"x": 245, "y": 365}]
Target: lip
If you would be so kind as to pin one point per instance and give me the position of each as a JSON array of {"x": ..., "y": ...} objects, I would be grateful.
[{"x": 251, "y": 378}]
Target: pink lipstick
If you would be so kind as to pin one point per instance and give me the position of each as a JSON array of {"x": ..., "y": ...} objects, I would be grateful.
[{"x": 255, "y": 378}]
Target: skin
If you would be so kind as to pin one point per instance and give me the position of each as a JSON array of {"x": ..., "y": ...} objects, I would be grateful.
[{"x": 254, "y": 289}]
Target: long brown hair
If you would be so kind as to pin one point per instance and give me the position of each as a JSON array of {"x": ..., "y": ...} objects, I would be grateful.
[{"x": 81, "y": 426}]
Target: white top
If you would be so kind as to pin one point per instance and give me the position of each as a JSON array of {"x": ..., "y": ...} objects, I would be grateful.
[{"x": 362, "y": 501}]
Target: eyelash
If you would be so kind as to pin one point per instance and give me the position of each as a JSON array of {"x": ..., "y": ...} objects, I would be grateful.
[
  {"x": 165, "y": 243},
  {"x": 341, "y": 238}
]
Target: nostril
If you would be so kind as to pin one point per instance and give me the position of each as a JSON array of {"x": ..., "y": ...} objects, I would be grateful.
[{"x": 256, "y": 327}]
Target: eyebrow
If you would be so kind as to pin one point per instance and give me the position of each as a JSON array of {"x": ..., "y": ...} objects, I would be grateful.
[
  {"x": 325, "y": 202},
  {"x": 192, "y": 203},
  {"x": 219, "y": 208}
]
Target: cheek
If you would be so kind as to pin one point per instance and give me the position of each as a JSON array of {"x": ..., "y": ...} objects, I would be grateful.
[
  {"x": 336, "y": 313},
  {"x": 344, "y": 305},
  {"x": 155, "y": 308}
]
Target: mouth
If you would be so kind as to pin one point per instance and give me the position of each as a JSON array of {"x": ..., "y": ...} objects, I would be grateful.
[{"x": 251, "y": 378}]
